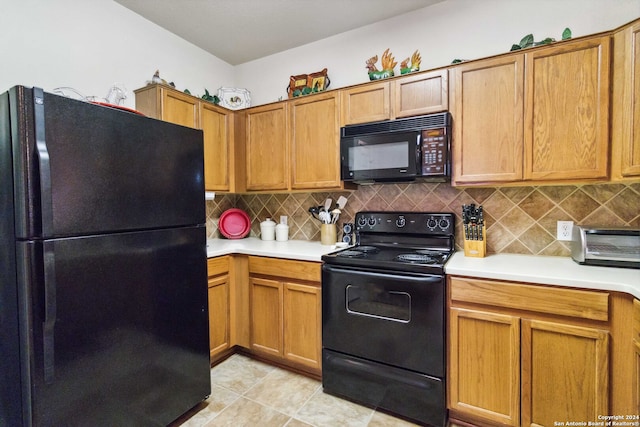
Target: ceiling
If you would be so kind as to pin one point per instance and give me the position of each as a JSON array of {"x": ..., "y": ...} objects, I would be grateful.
[{"x": 238, "y": 31}]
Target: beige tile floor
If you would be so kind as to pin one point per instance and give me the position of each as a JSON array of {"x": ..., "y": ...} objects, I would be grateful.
[{"x": 246, "y": 392}]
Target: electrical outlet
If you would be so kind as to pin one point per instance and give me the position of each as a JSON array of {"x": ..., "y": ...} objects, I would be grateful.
[{"x": 564, "y": 230}]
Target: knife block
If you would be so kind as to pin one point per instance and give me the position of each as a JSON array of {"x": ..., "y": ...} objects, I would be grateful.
[{"x": 476, "y": 248}]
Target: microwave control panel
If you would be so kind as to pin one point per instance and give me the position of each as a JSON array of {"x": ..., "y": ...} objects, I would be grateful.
[{"x": 435, "y": 152}]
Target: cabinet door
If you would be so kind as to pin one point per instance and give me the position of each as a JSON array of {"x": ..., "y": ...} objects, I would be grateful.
[
  {"x": 484, "y": 372},
  {"x": 637, "y": 375},
  {"x": 267, "y": 148},
  {"x": 215, "y": 124},
  {"x": 366, "y": 103},
  {"x": 179, "y": 108},
  {"x": 422, "y": 93},
  {"x": 625, "y": 129},
  {"x": 565, "y": 373},
  {"x": 488, "y": 120},
  {"x": 266, "y": 316},
  {"x": 636, "y": 355},
  {"x": 315, "y": 142},
  {"x": 218, "y": 314},
  {"x": 302, "y": 324},
  {"x": 567, "y": 111}
]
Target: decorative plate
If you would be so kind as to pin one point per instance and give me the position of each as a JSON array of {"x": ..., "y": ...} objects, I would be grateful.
[
  {"x": 234, "y": 98},
  {"x": 234, "y": 224}
]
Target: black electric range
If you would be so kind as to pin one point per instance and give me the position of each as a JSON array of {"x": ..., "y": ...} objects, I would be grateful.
[
  {"x": 417, "y": 242},
  {"x": 383, "y": 315}
]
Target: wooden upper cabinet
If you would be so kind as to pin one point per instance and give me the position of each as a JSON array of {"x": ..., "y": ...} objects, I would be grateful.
[
  {"x": 421, "y": 93},
  {"x": 168, "y": 104},
  {"x": 216, "y": 124},
  {"x": 488, "y": 109},
  {"x": 567, "y": 111},
  {"x": 267, "y": 152},
  {"x": 625, "y": 129},
  {"x": 315, "y": 142},
  {"x": 181, "y": 109},
  {"x": 367, "y": 103},
  {"x": 411, "y": 95},
  {"x": 537, "y": 116}
]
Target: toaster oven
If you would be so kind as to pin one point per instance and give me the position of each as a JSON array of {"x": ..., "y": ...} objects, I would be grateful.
[{"x": 618, "y": 247}]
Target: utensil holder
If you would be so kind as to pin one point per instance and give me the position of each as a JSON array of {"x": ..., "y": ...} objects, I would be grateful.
[
  {"x": 328, "y": 234},
  {"x": 476, "y": 248}
]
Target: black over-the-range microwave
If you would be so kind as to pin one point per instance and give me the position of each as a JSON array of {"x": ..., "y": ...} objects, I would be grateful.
[{"x": 397, "y": 150}]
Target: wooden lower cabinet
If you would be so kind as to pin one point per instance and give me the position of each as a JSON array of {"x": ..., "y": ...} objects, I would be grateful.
[
  {"x": 519, "y": 355},
  {"x": 484, "y": 373},
  {"x": 266, "y": 316},
  {"x": 302, "y": 324},
  {"x": 565, "y": 373},
  {"x": 219, "y": 306},
  {"x": 636, "y": 355},
  {"x": 285, "y": 312}
]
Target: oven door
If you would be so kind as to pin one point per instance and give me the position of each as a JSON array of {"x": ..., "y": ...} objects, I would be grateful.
[{"x": 391, "y": 318}]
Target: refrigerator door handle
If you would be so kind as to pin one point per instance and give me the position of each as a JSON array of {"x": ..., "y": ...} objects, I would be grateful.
[
  {"x": 48, "y": 325},
  {"x": 46, "y": 201}
]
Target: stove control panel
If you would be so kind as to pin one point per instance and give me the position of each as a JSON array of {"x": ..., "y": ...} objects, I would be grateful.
[{"x": 436, "y": 223}]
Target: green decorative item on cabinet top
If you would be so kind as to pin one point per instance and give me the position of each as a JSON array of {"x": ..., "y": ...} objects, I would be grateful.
[
  {"x": 210, "y": 98},
  {"x": 528, "y": 41},
  {"x": 407, "y": 67},
  {"x": 388, "y": 64}
]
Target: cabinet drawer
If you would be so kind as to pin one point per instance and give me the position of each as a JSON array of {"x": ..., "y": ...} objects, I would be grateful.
[
  {"x": 217, "y": 265},
  {"x": 542, "y": 299},
  {"x": 287, "y": 268}
]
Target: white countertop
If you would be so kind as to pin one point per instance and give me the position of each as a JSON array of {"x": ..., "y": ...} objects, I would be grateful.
[
  {"x": 546, "y": 270},
  {"x": 302, "y": 250}
]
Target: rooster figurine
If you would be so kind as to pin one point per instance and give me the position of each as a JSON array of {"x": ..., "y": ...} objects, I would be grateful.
[
  {"x": 406, "y": 68},
  {"x": 388, "y": 64}
]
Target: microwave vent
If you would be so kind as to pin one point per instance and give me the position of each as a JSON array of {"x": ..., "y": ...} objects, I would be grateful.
[{"x": 431, "y": 121}]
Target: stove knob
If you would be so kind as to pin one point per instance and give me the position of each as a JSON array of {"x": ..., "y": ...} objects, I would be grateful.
[
  {"x": 444, "y": 223},
  {"x": 431, "y": 223},
  {"x": 362, "y": 221},
  {"x": 372, "y": 221},
  {"x": 400, "y": 222}
]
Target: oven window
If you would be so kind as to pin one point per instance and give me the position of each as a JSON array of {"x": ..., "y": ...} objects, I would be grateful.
[{"x": 376, "y": 302}]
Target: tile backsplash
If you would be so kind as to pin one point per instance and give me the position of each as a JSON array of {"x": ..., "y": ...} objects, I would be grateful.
[{"x": 519, "y": 219}]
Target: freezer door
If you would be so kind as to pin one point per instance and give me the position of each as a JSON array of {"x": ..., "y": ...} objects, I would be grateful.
[
  {"x": 81, "y": 168},
  {"x": 119, "y": 328}
]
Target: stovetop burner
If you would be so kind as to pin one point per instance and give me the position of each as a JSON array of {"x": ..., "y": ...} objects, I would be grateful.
[
  {"x": 351, "y": 253},
  {"x": 366, "y": 249},
  {"x": 416, "y": 258},
  {"x": 430, "y": 252}
]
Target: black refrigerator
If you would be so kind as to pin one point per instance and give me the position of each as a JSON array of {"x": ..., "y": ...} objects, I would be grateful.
[{"x": 103, "y": 293}]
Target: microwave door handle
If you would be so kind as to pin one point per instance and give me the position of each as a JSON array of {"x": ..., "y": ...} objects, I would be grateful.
[{"x": 419, "y": 153}]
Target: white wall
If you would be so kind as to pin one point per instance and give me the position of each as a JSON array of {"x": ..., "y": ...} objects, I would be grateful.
[
  {"x": 465, "y": 29},
  {"x": 91, "y": 44}
]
